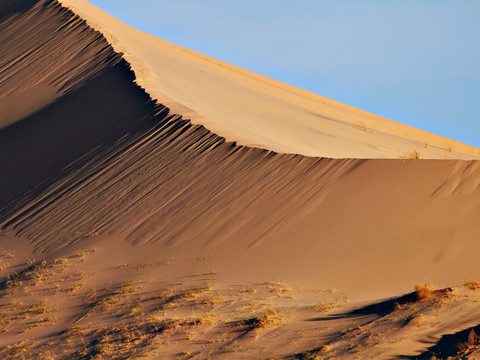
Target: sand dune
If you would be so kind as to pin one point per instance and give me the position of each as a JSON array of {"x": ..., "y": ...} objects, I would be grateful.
[
  {"x": 134, "y": 218},
  {"x": 257, "y": 111}
]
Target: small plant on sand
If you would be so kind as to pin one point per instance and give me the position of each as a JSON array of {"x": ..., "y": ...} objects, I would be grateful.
[
  {"x": 413, "y": 155},
  {"x": 38, "y": 273},
  {"x": 3, "y": 266},
  {"x": 473, "y": 340},
  {"x": 269, "y": 318},
  {"x": 249, "y": 291},
  {"x": 40, "y": 307},
  {"x": 424, "y": 292},
  {"x": 362, "y": 125},
  {"x": 81, "y": 255},
  {"x": 472, "y": 285},
  {"x": 329, "y": 306},
  {"x": 313, "y": 354},
  {"x": 278, "y": 288},
  {"x": 416, "y": 320},
  {"x": 6, "y": 254}
]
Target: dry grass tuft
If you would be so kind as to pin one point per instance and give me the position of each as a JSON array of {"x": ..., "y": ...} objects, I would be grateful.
[
  {"x": 424, "y": 292},
  {"x": 3, "y": 266},
  {"x": 413, "y": 155},
  {"x": 40, "y": 307},
  {"x": 329, "y": 306},
  {"x": 6, "y": 254},
  {"x": 472, "y": 285},
  {"x": 362, "y": 125},
  {"x": 415, "y": 320},
  {"x": 278, "y": 288},
  {"x": 268, "y": 319},
  {"x": 313, "y": 354},
  {"x": 473, "y": 341}
]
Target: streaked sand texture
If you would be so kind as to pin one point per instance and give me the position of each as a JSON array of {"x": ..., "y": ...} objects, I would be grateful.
[{"x": 159, "y": 203}]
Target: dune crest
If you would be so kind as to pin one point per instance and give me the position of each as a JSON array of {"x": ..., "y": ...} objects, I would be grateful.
[{"x": 257, "y": 111}]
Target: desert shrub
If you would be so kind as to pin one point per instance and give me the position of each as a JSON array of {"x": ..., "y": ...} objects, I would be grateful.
[
  {"x": 424, "y": 292},
  {"x": 472, "y": 285},
  {"x": 413, "y": 155}
]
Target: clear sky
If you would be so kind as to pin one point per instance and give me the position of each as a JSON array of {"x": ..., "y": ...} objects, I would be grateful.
[{"x": 414, "y": 61}]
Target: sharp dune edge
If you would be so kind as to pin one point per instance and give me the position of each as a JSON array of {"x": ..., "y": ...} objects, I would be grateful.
[
  {"x": 257, "y": 111},
  {"x": 128, "y": 231}
]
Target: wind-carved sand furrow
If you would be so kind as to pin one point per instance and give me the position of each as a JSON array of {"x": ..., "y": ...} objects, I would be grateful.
[
  {"x": 43, "y": 70},
  {"x": 67, "y": 184},
  {"x": 174, "y": 136},
  {"x": 293, "y": 201},
  {"x": 16, "y": 41},
  {"x": 111, "y": 190},
  {"x": 76, "y": 185},
  {"x": 237, "y": 192},
  {"x": 89, "y": 172},
  {"x": 464, "y": 180},
  {"x": 142, "y": 166},
  {"x": 121, "y": 194},
  {"x": 160, "y": 181}
]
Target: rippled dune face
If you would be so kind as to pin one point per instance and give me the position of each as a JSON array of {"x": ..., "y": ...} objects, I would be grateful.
[{"x": 128, "y": 231}]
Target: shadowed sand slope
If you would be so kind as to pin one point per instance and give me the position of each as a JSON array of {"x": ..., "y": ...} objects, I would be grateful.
[
  {"x": 33, "y": 73},
  {"x": 51, "y": 60},
  {"x": 257, "y": 111}
]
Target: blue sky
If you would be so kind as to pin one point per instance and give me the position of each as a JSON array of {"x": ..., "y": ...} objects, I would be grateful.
[{"x": 414, "y": 61}]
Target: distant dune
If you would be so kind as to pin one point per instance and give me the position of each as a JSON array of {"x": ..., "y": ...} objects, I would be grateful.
[
  {"x": 106, "y": 180},
  {"x": 257, "y": 111}
]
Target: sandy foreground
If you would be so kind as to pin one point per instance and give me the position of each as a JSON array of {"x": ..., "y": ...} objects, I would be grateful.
[{"x": 158, "y": 204}]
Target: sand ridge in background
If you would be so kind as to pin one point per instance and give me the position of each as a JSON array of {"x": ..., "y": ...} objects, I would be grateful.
[{"x": 257, "y": 111}]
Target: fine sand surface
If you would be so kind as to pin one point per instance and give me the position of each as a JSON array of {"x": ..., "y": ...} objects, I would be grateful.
[{"x": 126, "y": 230}]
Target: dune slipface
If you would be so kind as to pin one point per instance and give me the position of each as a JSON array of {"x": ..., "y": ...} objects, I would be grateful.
[{"x": 128, "y": 230}]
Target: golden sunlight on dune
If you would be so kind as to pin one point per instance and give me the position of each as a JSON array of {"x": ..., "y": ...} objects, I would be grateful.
[{"x": 162, "y": 204}]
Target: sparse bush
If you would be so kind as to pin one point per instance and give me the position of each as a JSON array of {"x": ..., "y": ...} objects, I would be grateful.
[
  {"x": 472, "y": 285},
  {"x": 269, "y": 318},
  {"x": 362, "y": 125},
  {"x": 472, "y": 341},
  {"x": 413, "y": 155},
  {"x": 329, "y": 306},
  {"x": 415, "y": 320},
  {"x": 424, "y": 292},
  {"x": 40, "y": 307}
]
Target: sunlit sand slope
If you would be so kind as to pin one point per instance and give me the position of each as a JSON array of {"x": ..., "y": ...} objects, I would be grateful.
[{"x": 257, "y": 111}]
